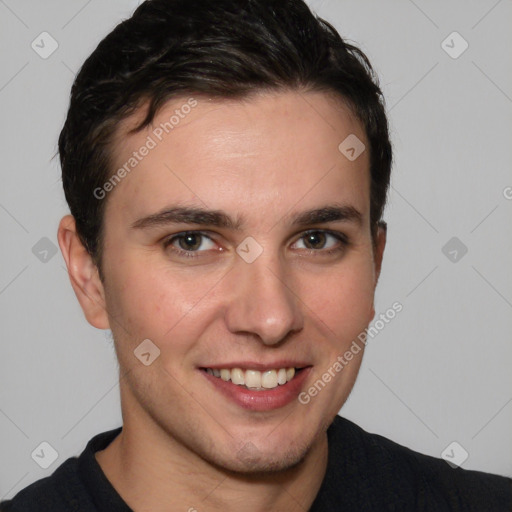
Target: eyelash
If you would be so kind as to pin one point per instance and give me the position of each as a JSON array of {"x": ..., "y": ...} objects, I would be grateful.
[{"x": 341, "y": 237}]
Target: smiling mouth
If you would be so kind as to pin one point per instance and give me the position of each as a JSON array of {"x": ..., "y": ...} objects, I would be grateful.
[{"x": 255, "y": 380}]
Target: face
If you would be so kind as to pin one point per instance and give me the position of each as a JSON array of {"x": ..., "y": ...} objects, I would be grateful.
[{"x": 240, "y": 245}]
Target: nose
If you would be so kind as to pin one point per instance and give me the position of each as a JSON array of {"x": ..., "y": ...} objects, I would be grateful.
[{"x": 264, "y": 303}]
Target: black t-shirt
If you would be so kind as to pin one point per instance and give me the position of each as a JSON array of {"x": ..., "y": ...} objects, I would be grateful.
[{"x": 365, "y": 472}]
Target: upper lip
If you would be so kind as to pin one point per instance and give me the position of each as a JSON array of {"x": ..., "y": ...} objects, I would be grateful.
[{"x": 252, "y": 365}]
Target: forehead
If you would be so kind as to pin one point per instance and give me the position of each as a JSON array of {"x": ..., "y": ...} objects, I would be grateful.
[{"x": 260, "y": 154}]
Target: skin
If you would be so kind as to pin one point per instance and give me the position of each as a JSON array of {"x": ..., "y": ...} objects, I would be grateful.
[{"x": 267, "y": 158}]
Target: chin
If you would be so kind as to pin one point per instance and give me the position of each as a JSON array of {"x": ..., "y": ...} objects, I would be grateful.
[
  {"x": 249, "y": 461},
  {"x": 254, "y": 461}
]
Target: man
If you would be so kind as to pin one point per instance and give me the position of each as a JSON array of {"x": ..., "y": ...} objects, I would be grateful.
[{"x": 226, "y": 166}]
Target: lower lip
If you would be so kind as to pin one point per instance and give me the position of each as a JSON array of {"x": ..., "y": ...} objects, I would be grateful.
[{"x": 260, "y": 400}]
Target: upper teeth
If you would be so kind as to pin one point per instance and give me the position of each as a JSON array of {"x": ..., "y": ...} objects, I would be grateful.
[{"x": 253, "y": 378}]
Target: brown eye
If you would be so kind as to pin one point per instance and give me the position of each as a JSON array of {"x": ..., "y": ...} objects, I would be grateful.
[
  {"x": 315, "y": 240},
  {"x": 188, "y": 243},
  {"x": 324, "y": 241}
]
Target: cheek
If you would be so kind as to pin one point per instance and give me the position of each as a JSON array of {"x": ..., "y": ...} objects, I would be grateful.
[
  {"x": 342, "y": 300},
  {"x": 155, "y": 302}
]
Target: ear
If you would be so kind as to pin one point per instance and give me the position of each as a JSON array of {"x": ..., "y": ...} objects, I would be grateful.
[
  {"x": 379, "y": 245},
  {"x": 83, "y": 274}
]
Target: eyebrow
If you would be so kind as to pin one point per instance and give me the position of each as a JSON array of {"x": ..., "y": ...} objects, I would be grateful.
[
  {"x": 330, "y": 213},
  {"x": 220, "y": 219},
  {"x": 189, "y": 215}
]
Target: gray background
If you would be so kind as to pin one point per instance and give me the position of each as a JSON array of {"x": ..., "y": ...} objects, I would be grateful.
[{"x": 438, "y": 373}]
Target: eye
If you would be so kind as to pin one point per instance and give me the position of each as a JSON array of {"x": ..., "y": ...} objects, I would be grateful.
[
  {"x": 189, "y": 242},
  {"x": 322, "y": 240}
]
